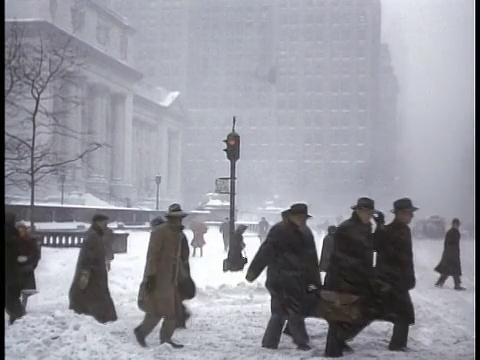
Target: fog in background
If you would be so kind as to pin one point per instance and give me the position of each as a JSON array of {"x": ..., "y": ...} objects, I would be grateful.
[{"x": 432, "y": 46}]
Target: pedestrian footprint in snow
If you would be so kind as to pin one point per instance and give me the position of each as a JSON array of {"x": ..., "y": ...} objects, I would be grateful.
[
  {"x": 89, "y": 293},
  {"x": 450, "y": 263}
]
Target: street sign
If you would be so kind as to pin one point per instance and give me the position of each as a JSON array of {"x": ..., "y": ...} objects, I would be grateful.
[{"x": 222, "y": 185}]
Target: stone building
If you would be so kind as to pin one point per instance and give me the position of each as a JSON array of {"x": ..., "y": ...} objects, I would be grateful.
[{"x": 140, "y": 129}]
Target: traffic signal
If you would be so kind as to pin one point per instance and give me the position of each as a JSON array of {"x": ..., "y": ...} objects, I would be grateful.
[{"x": 233, "y": 146}]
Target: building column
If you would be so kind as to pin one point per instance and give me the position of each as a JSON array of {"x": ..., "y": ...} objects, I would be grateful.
[
  {"x": 163, "y": 166},
  {"x": 122, "y": 148},
  {"x": 73, "y": 143},
  {"x": 97, "y": 131},
  {"x": 118, "y": 137}
]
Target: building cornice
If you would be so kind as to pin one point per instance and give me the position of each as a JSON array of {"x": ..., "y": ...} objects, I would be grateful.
[{"x": 33, "y": 25}]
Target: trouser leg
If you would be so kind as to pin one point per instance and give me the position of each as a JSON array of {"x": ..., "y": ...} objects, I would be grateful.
[
  {"x": 441, "y": 280},
  {"x": 167, "y": 329},
  {"x": 201, "y": 252},
  {"x": 335, "y": 343},
  {"x": 273, "y": 332},
  {"x": 400, "y": 336},
  {"x": 13, "y": 306},
  {"x": 298, "y": 331},
  {"x": 194, "y": 251},
  {"x": 457, "y": 281},
  {"x": 148, "y": 324}
]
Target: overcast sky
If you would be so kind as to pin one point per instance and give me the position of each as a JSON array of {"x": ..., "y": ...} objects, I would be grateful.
[{"x": 432, "y": 45}]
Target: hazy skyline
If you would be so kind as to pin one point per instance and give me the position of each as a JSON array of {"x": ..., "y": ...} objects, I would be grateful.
[{"x": 432, "y": 46}]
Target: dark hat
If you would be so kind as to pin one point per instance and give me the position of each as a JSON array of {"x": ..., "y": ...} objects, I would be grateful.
[
  {"x": 298, "y": 209},
  {"x": 364, "y": 202},
  {"x": 99, "y": 217},
  {"x": 242, "y": 227},
  {"x": 175, "y": 210},
  {"x": 403, "y": 204},
  {"x": 456, "y": 221},
  {"x": 156, "y": 221}
]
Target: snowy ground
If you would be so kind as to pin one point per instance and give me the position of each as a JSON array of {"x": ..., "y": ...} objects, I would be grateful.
[{"x": 229, "y": 314}]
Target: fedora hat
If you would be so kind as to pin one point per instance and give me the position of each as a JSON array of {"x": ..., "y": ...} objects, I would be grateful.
[
  {"x": 175, "y": 210},
  {"x": 364, "y": 202},
  {"x": 403, "y": 204},
  {"x": 299, "y": 208}
]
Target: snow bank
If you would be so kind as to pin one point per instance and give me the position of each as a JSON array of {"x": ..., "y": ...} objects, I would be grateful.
[{"x": 229, "y": 315}]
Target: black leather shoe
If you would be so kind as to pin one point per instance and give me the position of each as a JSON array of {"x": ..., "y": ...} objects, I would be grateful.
[
  {"x": 172, "y": 344},
  {"x": 304, "y": 347}
]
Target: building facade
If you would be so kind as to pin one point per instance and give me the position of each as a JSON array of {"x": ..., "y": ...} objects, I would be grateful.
[
  {"x": 113, "y": 108},
  {"x": 302, "y": 76}
]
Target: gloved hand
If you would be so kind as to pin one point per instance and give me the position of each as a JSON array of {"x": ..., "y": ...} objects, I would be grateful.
[
  {"x": 22, "y": 259},
  {"x": 150, "y": 283},
  {"x": 379, "y": 218},
  {"x": 83, "y": 279}
]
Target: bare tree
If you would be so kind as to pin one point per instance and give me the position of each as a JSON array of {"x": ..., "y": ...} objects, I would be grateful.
[{"x": 40, "y": 66}]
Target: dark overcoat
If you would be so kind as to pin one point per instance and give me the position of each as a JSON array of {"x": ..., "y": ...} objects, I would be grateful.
[
  {"x": 165, "y": 265},
  {"x": 350, "y": 269},
  {"x": 450, "y": 263},
  {"x": 394, "y": 267},
  {"x": 290, "y": 257},
  {"x": 28, "y": 247},
  {"x": 95, "y": 299}
]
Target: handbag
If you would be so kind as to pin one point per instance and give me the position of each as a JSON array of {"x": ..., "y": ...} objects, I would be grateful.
[{"x": 339, "y": 306}]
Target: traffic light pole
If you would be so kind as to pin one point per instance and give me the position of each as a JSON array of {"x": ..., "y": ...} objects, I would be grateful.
[{"x": 232, "y": 201}]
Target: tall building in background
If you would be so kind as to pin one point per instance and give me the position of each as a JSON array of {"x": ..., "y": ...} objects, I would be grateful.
[{"x": 303, "y": 77}]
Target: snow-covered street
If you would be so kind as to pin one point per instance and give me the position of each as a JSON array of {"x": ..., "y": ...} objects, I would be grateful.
[{"x": 229, "y": 315}]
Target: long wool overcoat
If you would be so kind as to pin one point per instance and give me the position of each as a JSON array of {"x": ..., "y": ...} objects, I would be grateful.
[
  {"x": 95, "y": 299},
  {"x": 164, "y": 263}
]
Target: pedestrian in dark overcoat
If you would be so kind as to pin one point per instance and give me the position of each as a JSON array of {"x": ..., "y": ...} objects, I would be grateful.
[
  {"x": 351, "y": 270},
  {"x": 186, "y": 286},
  {"x": 158, "y": 294},
  {"x": 450, "y": 264},
  {"x": 89, "y": 293},
  {"x": 13, "y": 286},
  {"x": 395, "y": 270},
  {"x": 236, "y": 260},
  {"x": 291, "y": 260},
  {"x": 327, "y": 248},
  {"x": 29, "y": 255}
]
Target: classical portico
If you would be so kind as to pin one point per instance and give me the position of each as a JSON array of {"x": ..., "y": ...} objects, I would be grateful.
[{"x": 139, "y": 134}]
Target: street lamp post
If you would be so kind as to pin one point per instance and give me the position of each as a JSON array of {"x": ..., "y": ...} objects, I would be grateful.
[
  {"x": 62, "y": 180},
  {"x": 158, "y": 181}
]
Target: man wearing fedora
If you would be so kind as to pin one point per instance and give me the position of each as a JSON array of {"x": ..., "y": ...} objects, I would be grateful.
[
  {"x": 350, "y": 270},
  {"x": 89, "y": 293},
  {"x": 450, "y": 264},
  {"x": 394, "y": 267},
  {"x": 290, "y": 256},
  {"x": 163, "y": 271}
]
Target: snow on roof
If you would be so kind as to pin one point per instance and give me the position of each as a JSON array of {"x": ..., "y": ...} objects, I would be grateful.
[{"x": 157, "y": 94}]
